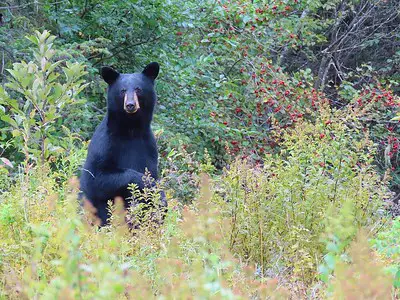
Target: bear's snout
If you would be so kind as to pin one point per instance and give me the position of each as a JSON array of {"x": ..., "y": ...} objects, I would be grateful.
[
  {"x": 131, "y": 103},
  {"x": 130, "y": 108}
]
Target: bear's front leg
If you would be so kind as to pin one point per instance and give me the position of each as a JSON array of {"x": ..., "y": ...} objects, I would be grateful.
[{"x": 112, "y": 183}]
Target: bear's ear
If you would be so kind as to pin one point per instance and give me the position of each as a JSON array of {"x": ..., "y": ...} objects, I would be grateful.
[
  {"x": 109, "y": 74},
  {"x": 151, "y": 70}
]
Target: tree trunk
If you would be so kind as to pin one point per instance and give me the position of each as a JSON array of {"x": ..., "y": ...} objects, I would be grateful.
[{"x": 322, "y": 72}]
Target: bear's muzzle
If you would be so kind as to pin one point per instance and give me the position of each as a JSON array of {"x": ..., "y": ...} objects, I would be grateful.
[{"x": 131, "y": 102}]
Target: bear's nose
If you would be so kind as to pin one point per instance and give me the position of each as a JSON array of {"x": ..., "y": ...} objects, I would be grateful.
[
  {"x": 131, "y": 103},
  {"x": 130, "y": 106}
]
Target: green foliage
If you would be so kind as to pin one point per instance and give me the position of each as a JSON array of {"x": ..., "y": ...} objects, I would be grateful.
[
  {"x": 279, "y": 212},
  {"x": 376, "y": 105},
  {"x": 181, "y": 172},
  {"x": 57, "y": 253},
  {"x": 387, "y": 244},
  {"x": 300, "y": 100},
  {"x": 43, "y": 91},
  {"x": 340, "y": 231},
  {"x": 363, "y": 277}
]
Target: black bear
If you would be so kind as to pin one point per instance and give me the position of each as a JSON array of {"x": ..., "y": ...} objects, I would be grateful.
[{"x": 123, "y": 146}]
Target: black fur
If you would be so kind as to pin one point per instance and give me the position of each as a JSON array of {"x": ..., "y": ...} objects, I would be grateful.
[{"x": 123, "y": 145}]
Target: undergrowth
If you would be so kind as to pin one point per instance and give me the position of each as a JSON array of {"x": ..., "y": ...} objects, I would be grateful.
[
  {"x": 287, "y": 229},
  {"x": 279, "y": 212}
]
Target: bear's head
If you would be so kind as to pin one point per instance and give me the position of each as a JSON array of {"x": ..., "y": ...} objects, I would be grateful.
[{"x": 131, "y": 97}]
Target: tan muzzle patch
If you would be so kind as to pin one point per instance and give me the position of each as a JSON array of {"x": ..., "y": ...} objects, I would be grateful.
[{"x": 129, "y": 101}]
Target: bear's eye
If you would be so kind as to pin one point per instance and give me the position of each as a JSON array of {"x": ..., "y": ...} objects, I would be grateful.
[
  {"x": 123, "y": 91},
  {"x": 138, "y": 91}
]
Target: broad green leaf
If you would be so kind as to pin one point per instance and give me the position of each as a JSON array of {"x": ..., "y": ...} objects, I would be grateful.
[{"x": 9, "y": 120}]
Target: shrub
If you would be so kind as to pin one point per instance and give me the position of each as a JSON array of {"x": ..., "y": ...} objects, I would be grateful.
[
  {"x": 41, "y": 93},
  {"x": 49, "y": 251},
  {"x": 364, "y": 277},
  {"x": 387, "y": 244},
  {"x": 277, "y": 212}
]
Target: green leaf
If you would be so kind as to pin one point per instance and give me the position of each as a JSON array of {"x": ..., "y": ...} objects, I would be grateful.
[
  {"x": 9, "y": 120},
  {"x": 397, "y": 279},
  {"x": 246, "y": 19},
  {"x": 330, "y": 260}
]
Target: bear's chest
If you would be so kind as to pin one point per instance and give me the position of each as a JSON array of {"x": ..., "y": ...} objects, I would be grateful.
[{"x": 137, "y": 154}]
